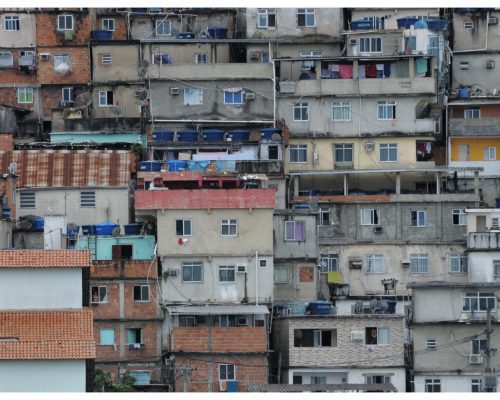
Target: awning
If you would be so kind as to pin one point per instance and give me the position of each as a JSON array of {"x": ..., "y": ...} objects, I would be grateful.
[{"x": 217, "y": 310}]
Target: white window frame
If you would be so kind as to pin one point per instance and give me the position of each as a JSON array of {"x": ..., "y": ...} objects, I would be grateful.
[
  {"x": 192, "y": 265},
  {"x": 418, "y": 218},
  {"x": 341, "y": 111},
  {"x": 228, "y": 271},
  {"x": 201, "y": 58},
  {"x": 27, "y": 199},
  {"x": 227, "y": 372},
  {"x": 193, "y": 96},
  {"x": 329, "y": 263},
  {"x": 142, "y": 298},
  {"x": 263, "y": 16},
  {"x": 297, "y": 153},
  {"x": 61, "y": 58},
  {"x": 87, "y": 199},
  {"x": 163, "y": 27},
  {"x": 472, "y": 113},
  {"x": 66, "y": 18},
  {"x": 306, "y": 13},
  {"x": 106, "y": 59},
  {"x": 344, "y": 149},
  {"x": 458, "y": 263},
  {"x": 308, "y": 64},
  {"x": 386, "y": 110},
  {"x": 478, "y": 346},
  {"x": 293, "y": 223},
  {"x": 231, "y": 99},
  {"x": 386, "y": 152},
  {"x": 375, "y": 264},
  {"x": 476, "y": 385},
  {"x": 432, "y": 383},
  {"x": 379, "y": 328},
  {"x": 229, "y": 227},
  {"x": 24, "y": 94},
  {"x": 371, "y": 379},
  {"x": 105, "y": 93},
  {"x": 370, "y": 45},
  {"x": 479, "y": 299},
  {"x": 324, "y": 217},
  {"x": 489, "y": 153},
  {"x": 301, "y": 110},
  {"x": 370, "y": 216},
  {"x": 185, "y": 223},
  {"x": 100, "y": 336},
  {"x": 68, "y": 94},
  {"x": 157, "y": 58},
  {"x": 462, "y": 216},
  {"x": 279, "y": 274},
  {"x": 102, "y": 294},
  {"x": 11, "y": 22},
  {"x": 108, "y": 24},
  {"x": 419, "y": 263},
  {"x": 496, "y": 269}
]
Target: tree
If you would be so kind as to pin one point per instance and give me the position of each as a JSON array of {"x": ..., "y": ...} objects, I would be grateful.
[{"x": 104, "y": 383}]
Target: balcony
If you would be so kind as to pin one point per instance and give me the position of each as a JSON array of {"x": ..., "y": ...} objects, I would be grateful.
[
  {"x": 483, "y": 240},
  {"x": 474, "y": 127},
  {"x": 206, "y": 72}
]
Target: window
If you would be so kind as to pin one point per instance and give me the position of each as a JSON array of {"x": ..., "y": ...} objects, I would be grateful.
[
  {"x": 433, "y": 385},
  {"x": 433, "y": 47},
  {"x": 229, "y": 227},
  {"x": 266, "y": 18},
  {"x": 298, "y": 153},
  {"x": 193, "y": 96},
  {"x": 67, "y": 94},
  {"x": 273, "y": 153},
  {"x": 318, "y": 380},
  {"x": 191, "y": 320},
  {"x": 192, "y": 272},
  {"x": 99, "y": 294},
  {"x": 27, "y": 199},
  {"x": 472, "y": 113},
  {"x": 386, "y": 110},
  {"x": 496, "y": 269},
  {"x": 265, "y": 57},
  {"x": 301, "y": 112},
  {"x": 106, "y": 336},
  {"x": 226, "y": 273},
  {"x": 489, "y": 153},
  {"x": 417, "y": 218},
  {"x": 419, "y": 263},
  {"x": 459, "y": 217},
  {"x": 464, "y": 65},
  {"x": 324, "y": 216},
  {"x": 388, "y": 152},
  {"x": 377, "y": 335},
  {"x": 11, "y": 23},
  {"x": 309, "y": 64},
  {"x": 294, "y": 230},
  {"x": 477, "y": 301},
  {"x": 479, "y": 346},
  {"x": 458, "y": 263},
  {"x": 329, "y": 263},
  {"x": 369, "y": 216},
  {"x": 370, "y": 45},
  {"x": 61, "y": 62},
  {"x": 377, "y": 379},
  {"x": 26, "y": 58},
  {"x": 306, "y": 17},
  {"x": 431, "y": 344},
  {"x": 108, "y": 24},
  {"x": 341, "y": 111},
  {"x": 375, "y": 263},
  {"x": 183, "y": 227},
  {"x": 141, "y": 293},
  {"x": 201, "y": 58},
  {"x": 263, "y": 263},
  {"x": 227, "y": 372},
  {"x": 6, "y": 59},
  {"x": 468, "y": 25},
  {"x": 343, "y": 153},
  {"x": 25, "y": 95},
  {"x": 411, "y": 43},
  {"x": 233, "y": 97},
  {"x": 121, "y": 251},
  {"x": 64, "y": 22},
  {"x": 134, "y": 336},
  {"x": 87, "y": 199},
  {"x": 476, "y": 385},
  {"x": 227, "y": 320},
  {"x": 297, "y": 379},
  {"x": 163, "y": 28},
  {"x": 105, "y": 98},
  {"x": 161, "y": 58},
  {"x": 281, "y": 275},
  {"x": 106, "y": 59},
  {"x": 315, "y": 338},
  {"x": 424, "y": 151}
]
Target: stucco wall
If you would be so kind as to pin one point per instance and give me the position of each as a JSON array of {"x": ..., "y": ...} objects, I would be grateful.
[
  {"x": 183, "y": 53},
  {"x": 5, "y": 234},
  {"x": 43, "y": 376},
  {"x": 124, "y": 63},
  {"x": 449, "y": 383},
  {"x": 477, "y": 74},
  {"x": 292, "y": 248},
  {"x": 25, "y": 36},
  {"x": 474, "y": 39},
  {"x": 124, "y": 102},
  {"x": 44, "y": 288}
]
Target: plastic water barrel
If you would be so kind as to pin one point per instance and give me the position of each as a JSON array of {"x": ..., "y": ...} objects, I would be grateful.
[
  {"x": 38, "y": 223},
  {"x": 463, "y": 93},
  {"x": 320, "y": 307},
  {"x": 239, "y": 135},
  {"x": 150, "y": 166},
  {"x": 187, "y": 136},
  {"x": 5, "y": 213},
  {"x": 103, "y": 35},
  {"x": 177, "y": 165},
  {"x": 105, "y": 228},
  {"x": 72, "y": 230},
  {"x": 213, "y": 135},
  {"x": 497, "y": 202},
  {"x": 163, "y": 136},
  {"x": 267, "y": 133}
]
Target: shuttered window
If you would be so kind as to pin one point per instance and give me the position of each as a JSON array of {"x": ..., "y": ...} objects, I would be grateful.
[{"x": 87, "y": 199}]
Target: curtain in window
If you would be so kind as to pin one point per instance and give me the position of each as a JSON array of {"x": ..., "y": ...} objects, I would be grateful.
[
  {"x": 383, "y": 336},
  {"x": 299, "y": 231}
]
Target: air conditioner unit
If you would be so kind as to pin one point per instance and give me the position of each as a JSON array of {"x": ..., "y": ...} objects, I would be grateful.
[
  {"x": 241, "y": 268},
  {"x": 174, "y": 91},
  {"x": 44, "y": 56},
  {"x": 355, "y": 264},
  {"x": 475, "y": 358},
  {"x": 357, "y": 336},
  {"x": 489, "y": 64},
  {"x": 255, "y": 55},
  {"x": 250, "y": 96},
  {"x": 353, "y": 42},
  {"x": 492, "y": 20},
  {"x": 405, "y": 263},
  {"x": 378, "y": 229},
  {"x": 369, "y": 146}
]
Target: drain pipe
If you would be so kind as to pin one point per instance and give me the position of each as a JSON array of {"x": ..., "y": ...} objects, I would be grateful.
[{"x": 256, "y": 278}]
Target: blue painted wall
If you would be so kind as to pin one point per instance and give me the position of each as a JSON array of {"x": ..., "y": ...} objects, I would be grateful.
[{"x": 142, "y": 246}]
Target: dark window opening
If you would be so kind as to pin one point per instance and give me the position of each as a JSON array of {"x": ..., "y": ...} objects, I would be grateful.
[
  {"x": 297, "y": 379},
  {"x": 122, "y": 251},
  {"x": 273, "y": 152}
]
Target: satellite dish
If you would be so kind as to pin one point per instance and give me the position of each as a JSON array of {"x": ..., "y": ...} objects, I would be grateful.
[
  {"x": 276, "y": 137},
  {"x": 116, "y": 231},
  {"x": 82, "y": 100},
  {"x": 116, "y": 110}
]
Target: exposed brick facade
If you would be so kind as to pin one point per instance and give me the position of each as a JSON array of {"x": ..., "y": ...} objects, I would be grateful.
[
  {"x": 14, "y": 74},
  {"x": 79, "y": 66},
  {"x": 52, "y": 95},
  {"x": 48, "y": 35},
  {"x": 120, "y": 32},
  {"x": 8, "y": 97}
]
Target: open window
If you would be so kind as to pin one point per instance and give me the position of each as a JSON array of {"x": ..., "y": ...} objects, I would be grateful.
[{"x": 122, "y": 251}]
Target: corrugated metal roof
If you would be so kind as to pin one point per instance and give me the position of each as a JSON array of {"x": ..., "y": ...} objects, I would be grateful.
[
  {"x": 341, "y": 387},
  {"x": 237, "y": 309},
  {"x": 66, "y": 168}
]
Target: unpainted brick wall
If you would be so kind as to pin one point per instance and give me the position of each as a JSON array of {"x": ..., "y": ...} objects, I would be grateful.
[
  {"x": 79, "y": 66},
  {"x": 48, "y": 35}
]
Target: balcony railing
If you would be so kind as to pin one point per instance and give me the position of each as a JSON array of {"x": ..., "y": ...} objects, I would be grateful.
[{"x": 483, "y": 240}]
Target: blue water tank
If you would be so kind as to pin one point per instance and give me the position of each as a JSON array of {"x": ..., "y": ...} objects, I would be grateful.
[
  {"x": 72, "y": 230},
  {"x": 267, "y": 133},
  {"x": 163, "y": 136},
  {"x": 463, "y": 93},
  {"x": 186, "y": 35},
  {"x": 497, "y": 202},
  {"x": 420, "y": 25},
  {"x": 150, "y": 166},
  {"x": 361, "y": 24},
  {"x": 239, "y": 135},
  {"x": 88, "y": 230},
  {"x": 320, "y": 307},
  {"x": 187, "y": 136},
  {"x": 132, "y": 229},
  {"x": 105, "y": 228},
  {"x": 216, "y": 32},
  {"x": 38, "y": 223},
  {"x": 405, "y": 23},
  {"x": 213, "y": 135},
  {"x": 103, "y": 35},
  {"x": 177, "y": 165}
]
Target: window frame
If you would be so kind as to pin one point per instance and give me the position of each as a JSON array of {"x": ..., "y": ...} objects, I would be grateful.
[
  {"x": 228, "y": 224},
  {"x": 141, "y": 298},
  {"x": 228, "y": 271},
  {"x": 461, "y": 215},
  {"x": 386, "y": 150},
  {"x": 369, "y": 378},
  {"x": 226, "y": 376},
  {"x": 193, "y": 96},
  {"x": 417, "y": 222},
  {"x": 266, "y": 12},
  {"x": 432, "y": 383},
  {"x": 25, "y": 92},
  {"x": 100, "y": 288},
  {"x": 307, "y": 65},
  {"x": 316, "y": 337},
  {"x": 162, "y": 23},
  {"x": 230, "y": 98},
  {"x": 295, "y": 239},
  {"x": 496, "y": 269},
  {"x": 374, "y": 218},
  {"x": 461, "y": 263},
  {"x": 297, "y": 153},
  {"x": 185, "y": 222},
  {"x": 105, "y": 24},
  {"x": 278, "y": 272},
  {"x": 324, "y": 217},
  {"x": 101, "y": 92},
  {"x": 372, "y": 260},
  {"x": 476, "y": 385},
  {"x": 344, "y": 149},
  {"x": 192, "y": 265},
  {"x": 489, "y": 153},
  {"x": 306, "y": 14},
  {"x": 478, "y": 346},
  {"x": 87, "y": 199},
  {"x": 370, "y": 44},
  {"x": 141, "y": 336},
  {"x": 8, "y": 53},
  {"x": 386, "y": 110},
  {"x": 329, "y": 263},
  {"x": 65, "y": 28},
  {"x": 341, "y": 107},
  {"x": 418, "y": 259},
  {"x": 201, "y": 58},
  {"x": 301, "y": 112},
  {"x": 100, "y": 337},
  {"x": 68, "y": 94},
  {"x": 11, "y": 20},
  {"x": 472, "y": 113},
  {"x": 376, "y": 338},
  {"x": 157, "y": 58},
  {"x": 467, "y": 297}
]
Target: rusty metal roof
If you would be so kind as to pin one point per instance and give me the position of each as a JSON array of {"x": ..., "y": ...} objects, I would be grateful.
[
  {"x": 70, "y": 168},
  {"x": 340, "y": 387}
]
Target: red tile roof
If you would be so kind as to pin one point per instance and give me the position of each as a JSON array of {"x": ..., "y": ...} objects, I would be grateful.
[
  {"x": 45, "y": 258},
  {"x": 46, "y": 335},
  {"x": 204, "y": 198}
]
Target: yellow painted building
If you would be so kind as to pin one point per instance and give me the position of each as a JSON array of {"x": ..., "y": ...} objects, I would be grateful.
[{"x": 475, "y": 149}]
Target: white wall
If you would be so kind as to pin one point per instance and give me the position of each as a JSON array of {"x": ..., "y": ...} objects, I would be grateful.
[
  {"x": 480, "y": 266},
  {"x": 398, "y": 378},
  {"x": 42, "y": 288},
  {"x": 449, "y": 383},
  {"x": 42, "y": 376}
]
